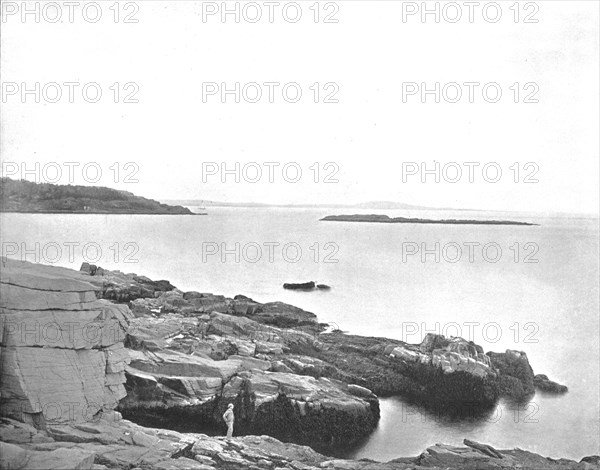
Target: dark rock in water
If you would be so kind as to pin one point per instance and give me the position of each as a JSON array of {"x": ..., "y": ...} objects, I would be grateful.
[
  {"x": 516, "y": 375},
  {"x": 542, "y": 382},
  {"x": 300, "y": 286},
  {"x": 311, "y": 285}
]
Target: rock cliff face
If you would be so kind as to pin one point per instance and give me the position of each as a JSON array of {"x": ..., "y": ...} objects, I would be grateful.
[{"x": 61, "y": 352}]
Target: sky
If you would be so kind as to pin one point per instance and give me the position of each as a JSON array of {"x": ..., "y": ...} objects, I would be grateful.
[{"x": 368, "y": 137}]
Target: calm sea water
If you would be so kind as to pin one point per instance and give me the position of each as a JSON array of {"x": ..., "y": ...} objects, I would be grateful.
[{"x": 532, "y": 288}]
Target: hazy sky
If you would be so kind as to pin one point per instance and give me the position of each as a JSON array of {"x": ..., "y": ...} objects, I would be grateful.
[{"x": 369, "y": 138}]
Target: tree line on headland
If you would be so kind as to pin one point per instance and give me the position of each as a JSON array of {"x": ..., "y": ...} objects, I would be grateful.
[{"x": 27, "y": 196}]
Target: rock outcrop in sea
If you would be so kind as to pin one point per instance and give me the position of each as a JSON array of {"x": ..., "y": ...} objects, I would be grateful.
[
  {"x": 306, "y": 286},
  {"x": 73, "y": 363}
]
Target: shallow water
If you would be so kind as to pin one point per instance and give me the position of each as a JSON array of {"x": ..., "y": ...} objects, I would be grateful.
[{"x": 547, "y": 308}]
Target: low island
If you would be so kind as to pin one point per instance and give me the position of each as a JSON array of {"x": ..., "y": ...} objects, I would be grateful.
[
  {"x": 46, "y": 198},
  {"x": 384, "y": 219}
]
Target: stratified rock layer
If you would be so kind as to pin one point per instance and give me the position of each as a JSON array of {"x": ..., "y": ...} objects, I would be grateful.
[
  {"x": 61, "y": 351},
  {"x": 185, "y": 370}
]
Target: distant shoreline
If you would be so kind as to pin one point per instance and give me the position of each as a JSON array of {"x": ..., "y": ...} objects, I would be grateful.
[
  {"x": 27, "y": 197},
  {"x": 384, "y": 219},
  {"x": 102, "y": 212}
]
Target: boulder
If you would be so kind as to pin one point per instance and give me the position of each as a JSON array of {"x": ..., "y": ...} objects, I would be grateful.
[
  {"x": 284, "y": 315},
  {"x": 433, "y": 341}
]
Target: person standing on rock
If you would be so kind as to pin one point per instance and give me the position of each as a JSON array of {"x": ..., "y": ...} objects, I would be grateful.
[{"x": 229, "y": 418}]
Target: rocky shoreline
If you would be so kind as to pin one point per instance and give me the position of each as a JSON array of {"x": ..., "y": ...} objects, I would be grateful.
[{"x": 81, "y": 350}]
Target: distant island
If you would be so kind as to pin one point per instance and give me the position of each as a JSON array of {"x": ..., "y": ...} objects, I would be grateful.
[
  {"x": 384, "y": 219},
  {"x": 375, "y": 205},
  {"x": 27, "y": 196}
]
